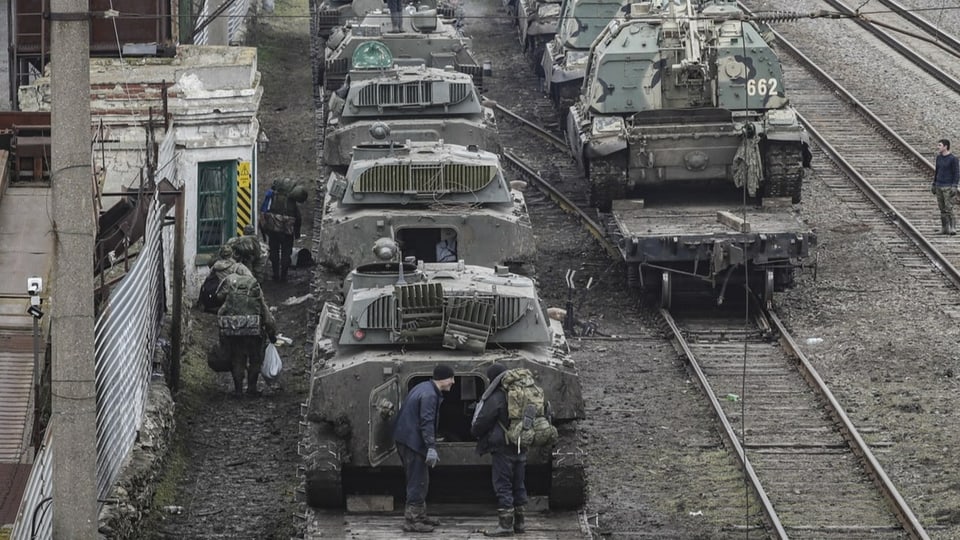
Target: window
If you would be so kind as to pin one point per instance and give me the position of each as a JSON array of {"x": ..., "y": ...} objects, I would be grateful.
[{"x": 216, "y": 204}]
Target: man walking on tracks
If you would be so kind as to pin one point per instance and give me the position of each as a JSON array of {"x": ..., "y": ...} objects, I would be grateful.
[
  {"x": 945, "y": 181},
  {"x": 416, "y": 436},
  {"x": 280, "y": 218},
  {"x": 244, "y": 320}
]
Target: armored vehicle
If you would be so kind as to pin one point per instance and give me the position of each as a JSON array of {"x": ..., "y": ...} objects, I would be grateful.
[
  {"x": 422, "y": 194},
  {"x": 333, "y": 13},
  {"x": 425, "y": 39},
  {"x": 683, "y": 91},
  {"x": 416, "y": 102},
  {"x": 564, "y": 61},
  {"x": 397, "y": 321},
  {"x": 537, "y": 24}
]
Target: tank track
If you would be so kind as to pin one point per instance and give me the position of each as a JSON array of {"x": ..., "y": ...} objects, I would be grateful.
[
  {"x": 322, "y": 456},
  {"x": 783, "y": 170},
  {"x": 608, "y": 180},
  {"x": 568, "y": 485}
]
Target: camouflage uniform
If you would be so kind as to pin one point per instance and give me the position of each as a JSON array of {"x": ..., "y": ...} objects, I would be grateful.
[
  {"x": 280, "y": 219},
  {"x": 246, "y": 250},
  {"x": 244, "y": 320}
]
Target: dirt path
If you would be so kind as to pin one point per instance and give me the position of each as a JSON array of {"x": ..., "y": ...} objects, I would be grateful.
[{"x": 233, "y": 467}]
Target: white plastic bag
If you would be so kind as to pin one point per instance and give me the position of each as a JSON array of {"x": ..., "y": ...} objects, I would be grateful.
[{"x": 271, "y": 362}]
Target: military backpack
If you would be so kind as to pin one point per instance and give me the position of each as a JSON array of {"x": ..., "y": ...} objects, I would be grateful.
[
  {"x": 526, "y": 410},
  {"x": 240, "y": 313}
]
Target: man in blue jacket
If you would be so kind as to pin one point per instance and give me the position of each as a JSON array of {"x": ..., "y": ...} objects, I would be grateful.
[
  {"x": 945, "y": 180},
  {"x": 416, "y": 436},
  {"x": 509, "y": 463}
]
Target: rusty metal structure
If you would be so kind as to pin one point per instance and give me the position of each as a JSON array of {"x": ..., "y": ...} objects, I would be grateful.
[
  {"x": 141, "y": 27},
  {"x": 397, "y": 321}
]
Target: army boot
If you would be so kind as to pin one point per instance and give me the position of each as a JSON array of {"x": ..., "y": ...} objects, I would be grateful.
[
  {"x": 397, "y": 20},
  {"x": 519, "y": 514},
  {"x": 422, "y": 516},
  {"x": 252, "y": 379},
  {"x": 410, "y": 523},
  {"x": 951, "y": 225},
  {"x": 944, "y": 228},
  {"x": 505, "y": 525},
  {"x": 238, "y": 386}
]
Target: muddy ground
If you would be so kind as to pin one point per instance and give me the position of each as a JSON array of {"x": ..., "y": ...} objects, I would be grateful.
[{"x": 233, "y": 468}]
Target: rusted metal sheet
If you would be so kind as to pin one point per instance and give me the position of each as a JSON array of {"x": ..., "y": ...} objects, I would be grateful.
[
  {"x": 13, "y": 479},
  {"x": 139, "y": 21}
]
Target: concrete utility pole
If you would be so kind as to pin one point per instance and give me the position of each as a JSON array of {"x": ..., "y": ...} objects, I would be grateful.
[{"x": 74, "y": 421}]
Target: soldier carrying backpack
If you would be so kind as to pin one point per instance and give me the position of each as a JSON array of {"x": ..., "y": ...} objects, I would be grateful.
[
  {"x": 244, "y": 320},
  {"x": 280, "y": 219},
  {"x": 510, "y": 418}
]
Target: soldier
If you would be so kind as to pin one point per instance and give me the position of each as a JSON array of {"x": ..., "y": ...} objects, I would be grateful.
[
  {"x": 396, "y": 15},
  {"x": 509, "y": 462},
  {"x": 244, "y": 321},
  {"x": 447, "y": 246},
  {"x": 224, "y": 266},
  {"x": 280, "y": 218},
  {"x": 945, "y": 180},
  {"x": 416, "y": 437},
  {"x": 247, "y": 251}
]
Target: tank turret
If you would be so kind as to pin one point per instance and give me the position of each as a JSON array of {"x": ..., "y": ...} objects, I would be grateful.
[
  {"x": 416, "y": 102},
  {"x": 396, "y": 322},
  {"x": 426, "y": 39},
  {"x": 564, "y": 60},
  {"x": 439, "y": 201},
  {"x": 684, "y": 91}
]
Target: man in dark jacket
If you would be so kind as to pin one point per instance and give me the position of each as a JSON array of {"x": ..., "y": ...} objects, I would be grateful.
[
  {"x": 946, "y": 176},
  {"x": 416, "y": 436},
  {"x": 509, "y": 462},
  {"x": 280, "y": 219}
]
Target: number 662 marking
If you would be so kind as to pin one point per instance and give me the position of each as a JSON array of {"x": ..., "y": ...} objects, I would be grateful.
[{"x": 763, "y": 87}]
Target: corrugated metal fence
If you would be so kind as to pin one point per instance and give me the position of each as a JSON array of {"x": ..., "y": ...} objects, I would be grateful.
[
  {"x": 126, "y": 335},
  {"x": 236, "y": 14}
]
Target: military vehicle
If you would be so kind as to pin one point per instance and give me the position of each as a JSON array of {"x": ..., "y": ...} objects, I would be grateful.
[
  {"x": 683, "y": 91},
  {"x": 425, "y": 39},
  {"x": 564, "y": 61},
  {"x": 333, "y": 13},
  {"x": 397, "y": 321},
  {"x": 417, "y": 103},
  {"x": 422, "y": 193},
  {"x": 537, "y": 24}
]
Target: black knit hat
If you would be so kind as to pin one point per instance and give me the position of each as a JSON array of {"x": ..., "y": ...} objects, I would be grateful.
[
  {"x": 494, "y": 370},
  {"x": 442, "y": 371}
]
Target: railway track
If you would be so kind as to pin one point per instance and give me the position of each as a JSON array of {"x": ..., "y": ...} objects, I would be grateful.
[
  {"x": 873, "y": 170},
  {"x": 809, "y": 468}
]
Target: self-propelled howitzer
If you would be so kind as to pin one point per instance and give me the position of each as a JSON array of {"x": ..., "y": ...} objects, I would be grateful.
[
  {"x": 423, "y": 194},
  {"x": 417, "y": 103},
  {"x": 685, "y": 91},
  {"x": 397, "y": 321}
]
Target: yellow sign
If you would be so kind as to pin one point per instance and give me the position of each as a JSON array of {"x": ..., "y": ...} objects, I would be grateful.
[{"x": 244, "y": 196}]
